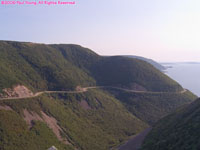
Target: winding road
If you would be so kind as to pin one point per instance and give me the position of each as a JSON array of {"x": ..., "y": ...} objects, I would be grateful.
[{"x": 85, "y": 89}]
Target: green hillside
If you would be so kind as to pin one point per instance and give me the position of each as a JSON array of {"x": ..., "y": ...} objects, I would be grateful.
[
  {"x": 150, "y": 107},
  {"x": 15, "y": 134},
  {"x": 103, "y": 124},
  {"x": 133, "y": 74},
  {"x": 178, "y": 131},
  {"x": 39, "y": 67},
  {"x": 98, "y": 119},
  {"x": 59, "y": 67}
]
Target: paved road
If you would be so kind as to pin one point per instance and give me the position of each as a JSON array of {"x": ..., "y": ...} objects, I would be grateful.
[
  {"x": 85, "y": 89},
  {"x": 135, "y": 91},
  {"x": 135, "y": 142}
]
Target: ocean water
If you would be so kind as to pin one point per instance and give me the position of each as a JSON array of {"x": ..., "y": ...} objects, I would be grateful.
[{"x": 186, "y": 74}]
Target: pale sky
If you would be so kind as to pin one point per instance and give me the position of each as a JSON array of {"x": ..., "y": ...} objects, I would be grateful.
[{"x": 164, "y": 30}]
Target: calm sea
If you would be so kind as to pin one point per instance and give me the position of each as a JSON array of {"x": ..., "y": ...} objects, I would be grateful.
[{"x": 187, "y": 74}]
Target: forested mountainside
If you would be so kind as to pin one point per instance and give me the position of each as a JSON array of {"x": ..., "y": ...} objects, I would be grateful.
[
  {"x": 150, "y": 107},
  {"x": 179, "y": 130},
  {"x": 43, "y": 101},
  {"x": 53, "y": 67}
]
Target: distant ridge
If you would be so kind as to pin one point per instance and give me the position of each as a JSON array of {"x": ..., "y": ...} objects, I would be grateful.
[
  {"x": 170, "y": 63},
  {"x": 151, "y": 61}
]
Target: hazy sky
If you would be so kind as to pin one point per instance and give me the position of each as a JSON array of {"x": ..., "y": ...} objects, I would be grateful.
[{"x": 165, "y": 30}]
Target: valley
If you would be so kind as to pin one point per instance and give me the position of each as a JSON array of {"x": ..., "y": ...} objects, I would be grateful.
[
  {"x": 99, "y": 75},
  {"x": 70, "y": 97}
]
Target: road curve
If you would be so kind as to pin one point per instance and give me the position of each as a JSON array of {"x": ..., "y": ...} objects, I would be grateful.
[
  {"x": 135, "y": 142},
  {"x": 85, "y": 89}
]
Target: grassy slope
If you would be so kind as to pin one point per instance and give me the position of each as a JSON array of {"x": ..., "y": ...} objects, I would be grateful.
[
  {"x": 179, "y": 130},
  {"x": 15, "y": 135},
  {"x": 105, "y": 125}
]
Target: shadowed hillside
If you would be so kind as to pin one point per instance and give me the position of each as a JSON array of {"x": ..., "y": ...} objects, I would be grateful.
[
  {"x": 179, "y": 130},
  {"x": 150, "y": 107},
  {"x": 58, "y": 67},
  {"x": 133, "y": 74}
]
